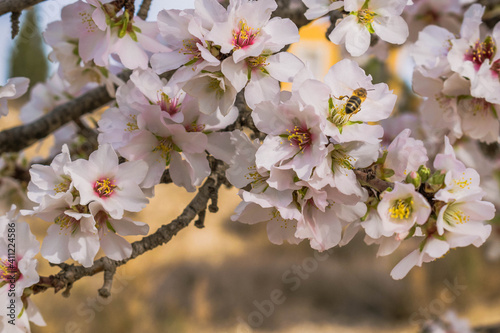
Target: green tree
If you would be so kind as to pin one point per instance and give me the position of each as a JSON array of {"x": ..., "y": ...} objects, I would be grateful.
[{"x": 28, "y": 58}]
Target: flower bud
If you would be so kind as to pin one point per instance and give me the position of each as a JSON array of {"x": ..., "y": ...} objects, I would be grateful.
[
  {"x": 424, "y": 173},
  {"x": 414, "y": 178}
]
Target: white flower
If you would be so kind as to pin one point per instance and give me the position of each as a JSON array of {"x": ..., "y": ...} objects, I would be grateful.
[
  {"x": 213, "y": 91},
  {"x": 463, "y": 222},
  {"x": 329, "y": 99},
  {"x": 14, "y": 88},
  {"x": 405, "y": 155},
  {"x": 379, "y": 16},
  {"x": 402, "y": 208},
  {"x": 317, "y": 8},
  {"x": 115, "y": 186},
  {"x": 18, "y": 271},
  {"x": 430, "y": 51},
  {"x": 433, "y": 248}
]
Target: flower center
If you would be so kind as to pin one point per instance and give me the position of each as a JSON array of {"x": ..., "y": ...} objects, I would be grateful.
[
  {"x": 189, "y": 47},
  {"x": 87, "y": 22},
  {"x": 453, "y": 215},
  {"x": 194, "y": 127},
  {"x": 401, "y": 209},
  {"x": 63, "y": 186},
  {"x": 337, "y": 115},
  {"x": 339, "y": 157},
  {"x": 104, "y": 187},
  {"x": 256, "y": 179},
  {"x": 164, "y": 147},
  {"x": 481, "y": 52},
  {"x": 258, "y": 62},
  {"x": 244, "y": 36},
  {"x": 169, "y": 105},
  {"x": 365, "y": 16},
  {"x": 67, "y": 222},
  {"x": 299, "y": 137},
  {"x": 284, "y": 224},
  {"x": 132, "y": 124},
  {"x": 9, "y": 272},
  {"x": 476, "y": 106},
  {"x": 461, "y": 183}
]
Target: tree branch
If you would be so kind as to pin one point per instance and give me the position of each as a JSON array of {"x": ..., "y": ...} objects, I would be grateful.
[
  {"x": 7, "y": 6},
  {"x": 72, "y": 273},
  {"x": 144, "y": 9},
  {"x": 20, "y": 137}
]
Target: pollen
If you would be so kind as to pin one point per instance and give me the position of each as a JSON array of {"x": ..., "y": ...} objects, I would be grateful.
[
  {"x": 401, "y": 209},
  {"x": 255, "y": 178},
  {"x": 167, "y": 104},
  {"x": 462, "y": 183},
  {"x": 453, "y": 215},
  {"x": 63, "y": 186},
  {"x": 366, "y": 16},
  {"x": 132, "y": 124},
  {"x": 87, "y": 21},
  {"x": 190, "y": 48},
  {"x": 164, "y": 147},
  {"x": 244, "y": 36},
  {"x": 104, "y": 187},
  {"x": 9, "y": 271},
  {"x": 340, "y": 157},
  {"x": 284, "y": 224},
  {"x": 299, "y": 137},
  {"x": 480, "y": 52},
  {"x": 259, "y": 62}
]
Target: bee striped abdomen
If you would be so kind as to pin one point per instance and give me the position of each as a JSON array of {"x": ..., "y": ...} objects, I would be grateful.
[{"x": 353, "y": 104}]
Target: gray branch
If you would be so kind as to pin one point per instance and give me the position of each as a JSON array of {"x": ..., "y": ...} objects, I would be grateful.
[
  {"x": 20, "y": 137},
  {"x": 7, "y": 6},
  {"x": 72, "y": 273}
]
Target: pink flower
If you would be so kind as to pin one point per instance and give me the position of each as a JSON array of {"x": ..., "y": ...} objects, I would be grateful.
[
  {"x": 115, "y": 186},
  {"x": 405, "y": 155}
]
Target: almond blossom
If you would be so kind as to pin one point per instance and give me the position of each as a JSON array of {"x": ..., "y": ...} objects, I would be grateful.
[
  {"x": 475, "y": 57},
  {"x": 18, "y": 271},
  {"x": 404, "y": 155},
  {"x": 115, "y": 186},
  {"x": 14, "y": 88},
  {"x": 317, "y": 8},
  {"x": 366, "y": 17}
]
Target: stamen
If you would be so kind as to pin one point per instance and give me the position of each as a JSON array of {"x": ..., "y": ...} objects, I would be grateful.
[
  {"x": 245, "y": 36},
  {"x": 401, "y": 209},
  {"x": 104, "y": 187},
  {"x": 9, "y": 272},
  {"x": 299, "y": 137},
  {"x": 339, "y": 157},
  {"x": 481, "y": 52},
  {"x": 453, "y": 215},
  {"x": 366, "y": 16}
]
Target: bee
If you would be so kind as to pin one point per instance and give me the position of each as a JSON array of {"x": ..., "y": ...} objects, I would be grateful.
[{"x": 353, "y": 104}]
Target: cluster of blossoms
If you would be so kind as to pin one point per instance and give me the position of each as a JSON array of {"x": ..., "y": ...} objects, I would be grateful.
[
  {"x": 454, "y": 218},
  {"x": 308, "y": 178},
  {"x": 458, "y": 76},
  {"x": 219, "y": 53},
  {"x": 302, "y": 178},
  {"x": 85, "y": 200}
]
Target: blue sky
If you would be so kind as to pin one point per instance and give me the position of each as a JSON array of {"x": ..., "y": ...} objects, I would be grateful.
[{"x": 50, "y": 10}]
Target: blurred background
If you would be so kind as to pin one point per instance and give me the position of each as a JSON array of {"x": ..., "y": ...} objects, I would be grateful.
[{"x": 228, "y": 277}]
